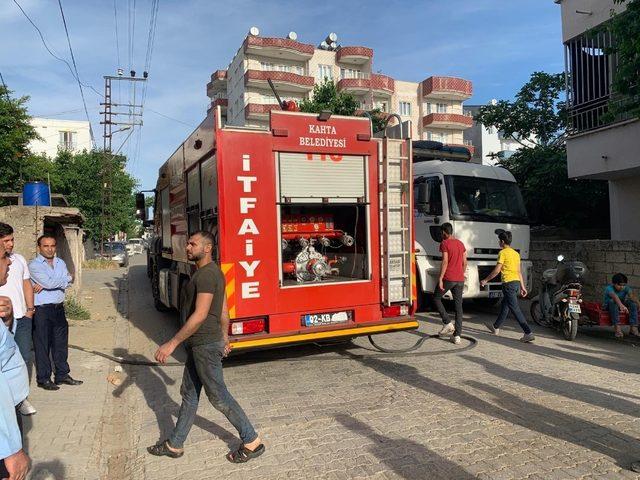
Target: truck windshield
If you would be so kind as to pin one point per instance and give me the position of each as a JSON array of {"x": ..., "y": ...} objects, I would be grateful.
[{"x": 485, "y": 200}]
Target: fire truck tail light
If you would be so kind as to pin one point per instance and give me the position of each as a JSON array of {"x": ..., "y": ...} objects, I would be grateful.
[
  {"x": 246, "y": 327},
  {"x": 395, "y": 310}
]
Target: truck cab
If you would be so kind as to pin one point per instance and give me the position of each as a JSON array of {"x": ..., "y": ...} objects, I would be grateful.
[{"x": 479, "y": 201}]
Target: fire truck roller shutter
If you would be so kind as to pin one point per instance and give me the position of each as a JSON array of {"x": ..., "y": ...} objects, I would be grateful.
[{"x": 312, "y": 177}]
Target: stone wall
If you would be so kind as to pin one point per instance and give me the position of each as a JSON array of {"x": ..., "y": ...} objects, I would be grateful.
[{"x": 603, "y": 258}]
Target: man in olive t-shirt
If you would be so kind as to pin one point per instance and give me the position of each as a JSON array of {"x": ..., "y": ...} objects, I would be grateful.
[{"x": 205, "y": 334}]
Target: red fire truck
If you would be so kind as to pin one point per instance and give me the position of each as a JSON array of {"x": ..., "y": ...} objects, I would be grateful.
[{"x": 312, "y": 220}]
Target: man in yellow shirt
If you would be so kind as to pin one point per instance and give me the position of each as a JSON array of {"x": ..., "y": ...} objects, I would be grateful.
[{"x": 508, "y": 267}]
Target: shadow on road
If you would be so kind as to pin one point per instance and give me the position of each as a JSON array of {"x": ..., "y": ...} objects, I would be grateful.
[
  {"x": 152, "y": 382},
  {"x": 509, "y": 408},
  {"x": 599, "y": 397},
  {"x": 405, "y": 457},
  {"x": 51, "y": 470},
  {"x": 624, "y": 363}
]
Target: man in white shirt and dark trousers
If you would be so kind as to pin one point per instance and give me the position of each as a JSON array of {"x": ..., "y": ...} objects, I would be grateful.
[{"x": 19, "y": 289}]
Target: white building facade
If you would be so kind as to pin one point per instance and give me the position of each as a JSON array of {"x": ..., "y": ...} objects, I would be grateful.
[
  {"x": 490, "y": 145},
  {"x": 70, "y": 135},
  {"x": 599, "y": 147},
  {"x": 434, "y": 105}
]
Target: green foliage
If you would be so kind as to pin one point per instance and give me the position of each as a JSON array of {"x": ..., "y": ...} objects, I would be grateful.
[
  {"x": 625, "y": 28},
  {"x": 537, "y": 113},
  {"x": 15, "y": 134},
  {"x": 99, "y": 264},
  {"x": 540, "y": 168},
  {"x": 77, "y": 176},
  {"x": 327, "y": 97},
  {"x": 550, "y": 196},
  {"x": 74, "y": 309},
  {"x": 80, "y": 180}
]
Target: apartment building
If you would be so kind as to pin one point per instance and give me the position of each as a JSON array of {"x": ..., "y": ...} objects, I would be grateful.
[
  {"x": 599, "y": 147},
  {"x": 56, "y": 134},
  {"x": 434, "y": 105},
  {"x": 489, "y": 145}
]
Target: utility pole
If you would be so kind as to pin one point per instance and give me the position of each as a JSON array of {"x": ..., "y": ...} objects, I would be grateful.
[{"x": 131, "y": 114}]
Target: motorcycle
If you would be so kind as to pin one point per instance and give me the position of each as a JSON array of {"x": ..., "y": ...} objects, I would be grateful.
[{"x": 558, "y": 305}]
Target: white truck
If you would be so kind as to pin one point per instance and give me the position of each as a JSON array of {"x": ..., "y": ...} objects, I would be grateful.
[{"x": 478, "y": 200}]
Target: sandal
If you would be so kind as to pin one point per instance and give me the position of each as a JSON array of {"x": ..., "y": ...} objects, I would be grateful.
[
  {"x": 161, "y": 449},
  {"x": 243, "y": 454}
]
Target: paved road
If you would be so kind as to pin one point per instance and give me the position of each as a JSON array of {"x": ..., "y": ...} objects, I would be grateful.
[{"x": 502, "y": 410}]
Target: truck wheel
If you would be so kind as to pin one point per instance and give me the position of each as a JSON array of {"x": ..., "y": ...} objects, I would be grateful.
[
  {"x": 570, "y": 327},
  {"x": 155, "y": 288}
]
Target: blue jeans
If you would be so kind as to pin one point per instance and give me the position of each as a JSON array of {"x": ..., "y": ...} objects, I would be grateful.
[
  {"x": 204, "y": 369},
  {"x": 23, "y": 338},
  {"x": 614, "y": 312},
  {"x": 510, "y": 290}
]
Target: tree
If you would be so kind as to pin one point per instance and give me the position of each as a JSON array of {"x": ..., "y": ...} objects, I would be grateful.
[
  {"x": 15, "y": 134},
  {"x": 80, "y": 180},
  {"x": 625, "y": 28},
  {"x": 540, "y": 167},
  {"x": 327, "y": 97}
]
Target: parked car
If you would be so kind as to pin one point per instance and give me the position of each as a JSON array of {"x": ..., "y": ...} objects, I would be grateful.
[
  {"x": 116, "y": 252},
  {"x": 135, "y": 246}
]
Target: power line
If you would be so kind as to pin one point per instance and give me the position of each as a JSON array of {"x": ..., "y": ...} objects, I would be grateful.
[
  {"x": 50, "y": 51},
  {"x": 171, "y": 118},
  {"x": 4, "y": 84},
  {"x": 75, "y": 67},
  {"x": 115, "y": 16}
]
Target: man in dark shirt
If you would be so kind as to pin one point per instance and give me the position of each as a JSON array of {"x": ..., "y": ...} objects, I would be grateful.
[
  {"x": 454, "y": 264},
  {"x": 205, "y": 333}
]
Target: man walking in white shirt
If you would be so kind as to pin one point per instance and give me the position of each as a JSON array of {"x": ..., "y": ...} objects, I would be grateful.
[{"x": 20, "y": 290}]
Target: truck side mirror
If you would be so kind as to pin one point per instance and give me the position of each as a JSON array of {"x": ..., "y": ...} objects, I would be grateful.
[{"x": 141, "y": 207}]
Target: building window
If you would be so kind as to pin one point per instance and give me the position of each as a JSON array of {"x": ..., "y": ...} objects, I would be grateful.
[
  {"x": 405, "y": 108},
  {"x": 442, "y": 107},
  {"x": 325, "y": 71},
  {"x": 350, "y": 73},
  {"x": 429, "y": 108},
  {"x": 266, "y": 66},
  {"x": 590, "y": 71},
  {"x": 68, "y": 140},
  {"x": 436, "y": 137}
]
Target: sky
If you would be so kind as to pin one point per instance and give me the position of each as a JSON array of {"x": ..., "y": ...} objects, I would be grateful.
[{"x": 496, "y": 44}]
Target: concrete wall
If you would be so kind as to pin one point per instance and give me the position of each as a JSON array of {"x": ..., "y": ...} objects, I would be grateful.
[
  {"x": 624, "y": 205},
  {"x": 603, "y": 258},
  {"x": 596, "y": 12},
  {"x": 29, "y": 223},
  {"x": 605, "y": 154}
]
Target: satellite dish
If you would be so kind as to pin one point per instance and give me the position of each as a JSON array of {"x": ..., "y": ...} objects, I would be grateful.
[
  {"x": 324, "y": 45},
  {"x": 255, "y": 31},
  {"x": 292, "y": 36},
  {"x": 333, "y": 45},
  {"x": 332, "y": 37}
]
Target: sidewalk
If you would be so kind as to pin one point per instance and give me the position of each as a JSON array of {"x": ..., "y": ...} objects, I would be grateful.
[{"x": 65, "y": 438}]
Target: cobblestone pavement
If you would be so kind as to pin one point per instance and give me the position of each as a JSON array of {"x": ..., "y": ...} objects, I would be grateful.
[{"x": 502, "y": 410}]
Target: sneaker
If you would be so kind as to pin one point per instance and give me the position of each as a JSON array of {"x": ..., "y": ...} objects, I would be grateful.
[
  {"x": 448, "y": 329},
  {"x": 492, "y": 329},
  {"x": 26, "y": 408},
  {"x": 455, "y": 339},
  {"x": 528, "y": 337}
]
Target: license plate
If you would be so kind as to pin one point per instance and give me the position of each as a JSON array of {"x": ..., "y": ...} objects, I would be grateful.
[
  {"x": 574, "y": 308},
  {"x": 317, "y": 319},
  {"x": 495, "y": 294}
]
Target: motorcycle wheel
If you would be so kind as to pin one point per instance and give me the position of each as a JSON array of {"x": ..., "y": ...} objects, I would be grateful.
[
  {"x": 570, "y": 327},
  {"x": 536, "y": 314}
]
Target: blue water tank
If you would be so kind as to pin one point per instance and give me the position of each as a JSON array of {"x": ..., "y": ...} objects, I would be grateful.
[{"x": 36, "y": 193}]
